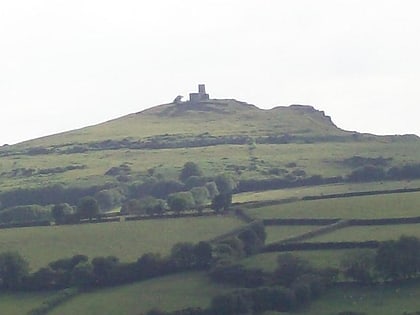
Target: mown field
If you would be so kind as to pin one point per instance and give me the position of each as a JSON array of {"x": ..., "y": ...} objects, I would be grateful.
[
  {"x": 365, "y": 207},
  {"x": 125, "y": 240}
]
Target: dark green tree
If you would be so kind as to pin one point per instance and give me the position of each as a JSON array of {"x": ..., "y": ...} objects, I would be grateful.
[
  {"x": 181, "y": 201},
  {"x": 225, "y": 184},
  {"x": 183, "y": 255},
  {"x": 221, "y": 202},
  {"x": 359, "y": 266},
  {"x": 61, "y": 212},
  {"x": 203, "y": 254},
  {"x": 13, "y": 269},
  {"x": 190, "y": 169},
  {"x": 200, "y": 195},
  {"x": 87, "y": 208}
]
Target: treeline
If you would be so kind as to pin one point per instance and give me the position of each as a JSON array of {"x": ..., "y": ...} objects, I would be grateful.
[
  {"x": 378, "y": 172},
  {"x": 295, "y": 282},
  {"x": 293, "y": 285},
  {"x": 81, "y": 272},
  {"x": 393, "y": 260}
]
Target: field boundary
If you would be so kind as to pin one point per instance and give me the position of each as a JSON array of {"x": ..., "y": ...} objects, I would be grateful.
[{"x": 286, "y": 247}]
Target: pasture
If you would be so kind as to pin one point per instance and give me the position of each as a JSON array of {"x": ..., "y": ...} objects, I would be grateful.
[
  {"x": 168, "y": 293},
  {"x": 18, "y": 303},
  {"x": 367, "y": 233},
  {"x": 318, "y": 258},
  {"x": 382, "y": 299},
  {"x": 125, "y": 240},
  {"x": 320, "y": 190},
  {"x": 281, "y": 232},
  {"x": 364, "y": 207}
]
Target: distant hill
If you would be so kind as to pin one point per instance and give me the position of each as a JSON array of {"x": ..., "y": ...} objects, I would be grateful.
[
  {"x": 222, "y": 135},
  {"x": 216, "y": 117}
]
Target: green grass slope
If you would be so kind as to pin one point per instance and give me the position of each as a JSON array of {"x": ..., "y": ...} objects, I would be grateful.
[
  {"x": 168, "y": 293},
  {"x": 125, "y": 240}
]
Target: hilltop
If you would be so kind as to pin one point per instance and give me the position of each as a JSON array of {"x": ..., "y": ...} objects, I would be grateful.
[{"x": 221, "y": 135}]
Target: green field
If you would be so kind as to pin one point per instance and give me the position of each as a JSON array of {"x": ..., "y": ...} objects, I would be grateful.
[
  {"x": 299, "y": 192},
  {"x": 318, "y": 258},
  {"x": 364, "y": 233},
  {"x": 125, "y": 240},
  {"x": 365, "y": 207},
  {"x": 384, "y": 300},
  {"x": 278, "y": 233},
  {"x": 167, "y": 293},
  {"x": 20, "y": 303}
]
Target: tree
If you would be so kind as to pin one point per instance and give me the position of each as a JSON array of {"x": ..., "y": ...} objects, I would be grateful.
[
  {"x": 108, "y": 198},
  {"x": 225, "y": 184},
  {"x": 60, "y": 212},
  {"x": 182, "y": 254},
  {"x": 181, "y": 201},
  {"x": 212, "y": 189},
  {"x": 13, "y": 269},
  {"x": 102, "y": 269},
  {"x": 398, "y": 259},
  {"x": 190, "y": 169},
  {"x": 200, "y": 195},
  {"x": 203, "y": 254},
  {"x": 359, "y": 266},
  {"x": 221, "y": 202},
  {"x": 87, "y": 208},
  {"x": 290, "y": 268}
]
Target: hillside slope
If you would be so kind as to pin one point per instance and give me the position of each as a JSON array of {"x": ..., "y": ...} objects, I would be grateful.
[{"x": 222, "y": 136}]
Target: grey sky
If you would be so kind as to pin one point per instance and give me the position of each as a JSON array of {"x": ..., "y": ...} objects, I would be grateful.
[{"x": 69, "y": 64}]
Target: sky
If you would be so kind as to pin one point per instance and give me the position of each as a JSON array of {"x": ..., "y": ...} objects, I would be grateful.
[{"x": 69, "y": 64}]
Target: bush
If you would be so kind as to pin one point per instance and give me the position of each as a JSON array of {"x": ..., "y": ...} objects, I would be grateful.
[
  {"x": 180, "y": 201},
  {"x": 25, "y": 214}
]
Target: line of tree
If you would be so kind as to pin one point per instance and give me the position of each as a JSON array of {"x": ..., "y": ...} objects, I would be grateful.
[{"x": 394, "y": 260}]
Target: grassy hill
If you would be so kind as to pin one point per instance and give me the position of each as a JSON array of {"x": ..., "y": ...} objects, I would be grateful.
[
  {"x": 222, "y": 136},
  {"x": 295, "y": 148}
]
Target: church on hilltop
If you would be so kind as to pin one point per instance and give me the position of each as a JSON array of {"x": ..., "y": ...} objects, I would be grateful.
[
  {"x": 200, "y": 96},
  {"x": 194, "y": 97}
]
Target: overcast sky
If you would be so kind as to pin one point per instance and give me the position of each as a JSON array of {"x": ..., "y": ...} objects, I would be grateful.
[{"x": 69, "y": 64}]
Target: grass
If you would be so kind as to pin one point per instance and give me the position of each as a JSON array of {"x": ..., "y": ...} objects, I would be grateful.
[
  {"x": 18, "y": 303},
  {"x": 125, "y": 240},
  {"x": 365, "y": 207},
  {"x": 364, "y": 233},
  {"x": 318, "y": 258},
  {"x": 278, "y": 233},
  {"x": 323, "y": 158},
  {"x": 167, "y": 293},
  {"x": 384, "y": 300},
  {"x": 280, "y": 194}
]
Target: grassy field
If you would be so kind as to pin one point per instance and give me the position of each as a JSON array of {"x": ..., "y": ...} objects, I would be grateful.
[
  {"x": 366, "y": 207},
  {"x": 318, "y": 258},
  {"x": 364, "y": 233},
  {"x": 299, "y": 192},
  {"x": 166, "y": 293},
  {"x": 125, "y": 240},
  {"x": 20, "y": 303},
  {"x": 278, "y": 233},
  {"x": 384, "y": 300}
]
